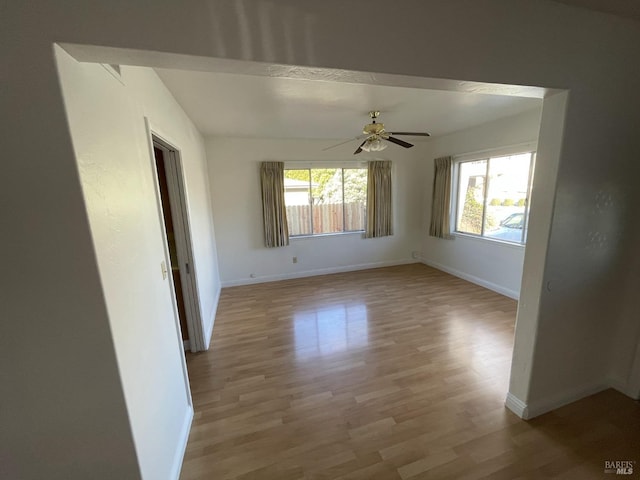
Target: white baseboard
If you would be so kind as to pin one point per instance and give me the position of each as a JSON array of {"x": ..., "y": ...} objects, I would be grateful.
[
  {"x": 623, "y": 387},
  {"x": 540, "y": 407},
  {"x": 182, "y": 444},
  {"x": 618, "y": 384},
  {"x": 212, "y": 319},
  {"x": 313, "y": 273},
  {"x": 530, "y": 410},
  {"x": 473, "y": 279},
  {"x": 186, "y": 344},
  {"x": 517, "y": 406}
]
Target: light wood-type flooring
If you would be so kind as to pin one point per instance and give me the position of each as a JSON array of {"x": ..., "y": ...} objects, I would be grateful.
[{"x": 392, "y": 373}]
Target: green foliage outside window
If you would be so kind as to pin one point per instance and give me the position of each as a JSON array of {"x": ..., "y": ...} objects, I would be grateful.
[{"x": 471, "y": 219}]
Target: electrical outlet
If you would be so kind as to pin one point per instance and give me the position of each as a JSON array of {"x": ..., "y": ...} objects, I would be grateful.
[
  {"x": 253, "y": 275},
  {"x": 295, "y": 259},
  {"x": 415, "y": 255}
]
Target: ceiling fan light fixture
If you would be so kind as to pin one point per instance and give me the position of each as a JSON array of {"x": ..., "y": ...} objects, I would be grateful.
[
  {"x": 374, "y": 133},
  {"x": 374, "y": 145}
]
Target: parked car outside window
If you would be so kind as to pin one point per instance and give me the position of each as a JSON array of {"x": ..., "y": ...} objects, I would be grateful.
[{"x": 510, "y": 228}]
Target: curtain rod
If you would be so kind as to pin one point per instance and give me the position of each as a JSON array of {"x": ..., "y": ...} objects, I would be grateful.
[
  {"x": 324, "y": 162},
  {"x": 496, "y": 149}
]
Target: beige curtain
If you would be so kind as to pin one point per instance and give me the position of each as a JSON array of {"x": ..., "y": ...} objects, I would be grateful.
[
  {"x": 379, "y": 222},
  {"x": 441, "y": 203},
  {"x": 274, "y": 212}
]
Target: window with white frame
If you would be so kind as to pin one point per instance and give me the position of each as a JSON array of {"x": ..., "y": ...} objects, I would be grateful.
[
  {"x": 492, "y": 196},
  {"x": 322, "y": 201}
]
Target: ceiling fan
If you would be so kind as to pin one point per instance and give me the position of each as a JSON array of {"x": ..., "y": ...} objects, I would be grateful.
[{"x": 374, "y": 135}]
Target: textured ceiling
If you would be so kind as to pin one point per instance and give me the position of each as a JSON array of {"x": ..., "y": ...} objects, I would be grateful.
[{"x": 229, "y": 104}]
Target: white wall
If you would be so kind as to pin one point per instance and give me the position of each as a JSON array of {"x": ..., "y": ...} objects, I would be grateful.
[
  {"x": 56, "y": 339},
  {"x": 107, "y": 123},
  {"x": 237, "y": 208},
  {"x": 169, "y": 120},
  {"x": 495, "y": 265},
  {"x": 534, "y": 284}
]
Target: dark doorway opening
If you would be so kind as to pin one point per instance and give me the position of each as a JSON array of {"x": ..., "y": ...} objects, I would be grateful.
[{"x": 159, "y": 154}]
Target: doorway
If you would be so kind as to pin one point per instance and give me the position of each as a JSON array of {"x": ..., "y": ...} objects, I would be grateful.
[{"x": 178, "y": 239}]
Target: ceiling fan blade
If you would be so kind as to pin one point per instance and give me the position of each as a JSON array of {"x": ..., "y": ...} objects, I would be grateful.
[
  {"x": 342, "y": 143},
  {"x": 402, "y": 143},
  {"x": 413, "y": 134},
  {"x": 359, "y": 148}
]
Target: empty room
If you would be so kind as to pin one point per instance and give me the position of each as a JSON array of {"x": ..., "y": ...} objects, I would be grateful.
[{"x": 284, "y": 239}]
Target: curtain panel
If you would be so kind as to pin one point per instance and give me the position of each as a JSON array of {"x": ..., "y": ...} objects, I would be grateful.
[
  {"x": 379, "y": 221},
  {"x": 274, "y": 213},
  {"x": 441, "y": 201}
]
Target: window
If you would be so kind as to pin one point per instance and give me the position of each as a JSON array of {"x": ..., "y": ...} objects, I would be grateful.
[
  {"x": 492, "y": 196},
  {"x": 320, "y": 201}
]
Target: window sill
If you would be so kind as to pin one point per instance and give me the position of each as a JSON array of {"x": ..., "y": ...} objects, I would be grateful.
[
  {"x": 493, "y": 241},
  {"x": 325, "y": 235}
]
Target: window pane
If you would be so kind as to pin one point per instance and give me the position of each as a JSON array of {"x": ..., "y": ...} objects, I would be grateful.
[
  {"x": 325, "y": 200},
  {"x": 326, "y": 191},
  {"x": 297, "y": 199},
  {"x": 355, "y": 198},
  {"x": 471, "y": 196},
  {"x": 507, "y": 196}
]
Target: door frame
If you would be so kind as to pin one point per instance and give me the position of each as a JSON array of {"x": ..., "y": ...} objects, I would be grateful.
[{"x": 182, "y": 231}]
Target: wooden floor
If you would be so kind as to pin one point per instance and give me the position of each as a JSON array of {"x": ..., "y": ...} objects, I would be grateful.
[{"x": 392, "y": 373}]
